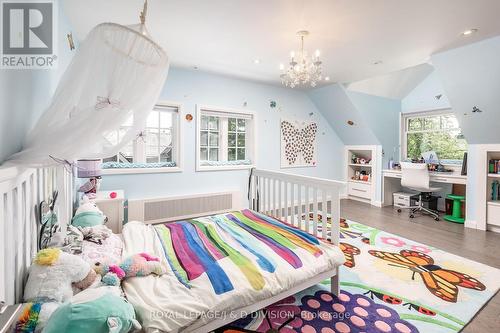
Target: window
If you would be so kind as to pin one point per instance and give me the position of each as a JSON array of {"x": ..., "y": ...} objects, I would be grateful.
[
  {"x": 433, "y": 131},
  {"x": 225, "y": 139},
  {"x": 155, "y": 149}
]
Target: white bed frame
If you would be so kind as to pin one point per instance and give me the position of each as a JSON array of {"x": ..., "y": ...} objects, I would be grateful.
[
  {"x": 288, "y": 197},
  {"x": 21, "y": 190},
  {"x": 284, "y": 196}
]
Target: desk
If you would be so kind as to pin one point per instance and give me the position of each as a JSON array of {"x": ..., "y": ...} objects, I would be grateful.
[{"x": 391, "y": 182}]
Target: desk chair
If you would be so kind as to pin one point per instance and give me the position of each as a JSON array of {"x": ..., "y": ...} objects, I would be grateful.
[{"x": 416, "y": 177}]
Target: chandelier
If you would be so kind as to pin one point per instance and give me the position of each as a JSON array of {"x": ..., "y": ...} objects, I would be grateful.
[{"x": 302, "y": 69}]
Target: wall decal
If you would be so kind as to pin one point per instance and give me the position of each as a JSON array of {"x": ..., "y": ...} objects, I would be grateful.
[
  {"x": 189, "y": 117},
  {"x": 298, "y": 143}
]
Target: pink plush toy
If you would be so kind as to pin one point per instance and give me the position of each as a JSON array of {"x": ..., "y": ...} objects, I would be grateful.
[{"x": 141, "y": 264}]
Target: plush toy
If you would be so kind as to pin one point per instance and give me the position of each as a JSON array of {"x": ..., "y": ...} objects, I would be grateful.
[
  {"x": 52, "y": 275},
  {"x": 96, "y": 310},
  {"x": 88, "y": 214},
  {"x": 141, "y": 264}
]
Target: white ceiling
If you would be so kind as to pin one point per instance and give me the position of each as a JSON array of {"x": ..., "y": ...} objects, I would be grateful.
[
  {"x": 396, "y": 85},
  {"x": 225, "y": 36}
]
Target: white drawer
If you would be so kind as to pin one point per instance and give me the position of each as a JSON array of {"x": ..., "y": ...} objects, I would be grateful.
[
  {"x": 493, "y": 214},
  {"x": 401, "y": 202},
  {"x": 360, "y": 190}
]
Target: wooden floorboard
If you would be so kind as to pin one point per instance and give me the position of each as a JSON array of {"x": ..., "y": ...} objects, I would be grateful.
[{"x": 475, "y": 245}]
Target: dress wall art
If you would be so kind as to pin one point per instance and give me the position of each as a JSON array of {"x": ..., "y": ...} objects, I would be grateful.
[{"x": 298, "y": 143}]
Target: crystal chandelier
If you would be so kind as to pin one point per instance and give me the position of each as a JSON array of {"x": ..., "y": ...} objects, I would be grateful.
[{"x": 302, "y": 69}]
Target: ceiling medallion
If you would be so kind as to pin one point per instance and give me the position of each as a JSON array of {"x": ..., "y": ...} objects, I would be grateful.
[{"x": 302, "y": 69}]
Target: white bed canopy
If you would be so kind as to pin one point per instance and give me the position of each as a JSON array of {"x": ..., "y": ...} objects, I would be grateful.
[{"x": 117, "y": 74}]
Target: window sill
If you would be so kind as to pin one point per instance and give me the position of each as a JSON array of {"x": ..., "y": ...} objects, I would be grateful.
[
  {"x": 224, "y": 167},
  {"x": 134, "y": 171}
]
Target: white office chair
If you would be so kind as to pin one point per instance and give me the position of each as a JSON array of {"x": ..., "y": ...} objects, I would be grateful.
[{"x": 416, "y": 177}]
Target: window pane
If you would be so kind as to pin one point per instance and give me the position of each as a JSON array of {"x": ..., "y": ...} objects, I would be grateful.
[
  {"x": 449, "y": 121},
  {"x": 204, "y": 122},
  {"x": 241, "y": 154},
  {"x": 415, "y": 124},
  {"x": 241, "y": 139},
  {"x": 203, "y": 154},
  {"x": 166, "y": 119},
  {"x": 166, "y": 154},
  {"x": 214, "y": 139},
  {"x": 431, "y": 123},
  {"x": 241, "y": 125},
  {"x": 231, "y": 140},
  {"x": 447, "y": 145},
  {"x": 153, "y": 119},
  {"x": 165, "y": 137},
  {"x": 204, "y": 139},
  {"x": 213, "y": 123},
  {"x": 231, "y": 154},
  {"x": 110, "y": 159},
  {"x": 214, "y": 154},
  {"x": 232, "y": 124}
]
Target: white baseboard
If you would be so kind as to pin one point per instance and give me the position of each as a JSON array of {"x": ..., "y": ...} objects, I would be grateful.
[
  {"x": 471, "y": 224},
  {"x": 377, "y": 203}
]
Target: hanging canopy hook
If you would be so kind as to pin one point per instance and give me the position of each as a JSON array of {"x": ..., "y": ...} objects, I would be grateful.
[{"x": 144, "y": 12}]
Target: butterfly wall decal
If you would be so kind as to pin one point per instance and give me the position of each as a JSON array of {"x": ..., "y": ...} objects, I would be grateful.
[
  {"x": 298, "y": 143},
  {"x": 441, "y": 282}
]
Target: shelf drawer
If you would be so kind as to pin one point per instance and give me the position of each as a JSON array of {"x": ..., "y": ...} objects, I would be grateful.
[
  {"x": 493, "y": 215},
  {"x": 360, "y": 190}
]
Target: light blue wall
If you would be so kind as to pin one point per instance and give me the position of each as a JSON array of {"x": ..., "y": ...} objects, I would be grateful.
[
  {"x": 382, "y": 116},
  {"x": 336, "y": 106},
  {"x": 24, "y": 94},
  {"x": 423, "y": 96},
  {"x": 471, "y": 77},
  {"x": 189, "y": 88}
]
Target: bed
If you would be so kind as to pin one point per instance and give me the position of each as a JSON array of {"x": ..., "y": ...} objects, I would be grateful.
[
  {"x": 218, "y": 268},
  {"x": 225, "y": 266}
]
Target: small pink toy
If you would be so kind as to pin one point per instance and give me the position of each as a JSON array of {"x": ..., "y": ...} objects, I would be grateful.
[{"x": 141, "y": 264}]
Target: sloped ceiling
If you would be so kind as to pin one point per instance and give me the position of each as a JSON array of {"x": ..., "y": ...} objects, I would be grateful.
[
  {"x": 471, "y": 77},
  {"x": 395, "y": 85},
  {"x": 336, "y": 106}
]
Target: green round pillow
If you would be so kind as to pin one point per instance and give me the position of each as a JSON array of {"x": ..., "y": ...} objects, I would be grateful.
[{"x": 95, "y": 310}]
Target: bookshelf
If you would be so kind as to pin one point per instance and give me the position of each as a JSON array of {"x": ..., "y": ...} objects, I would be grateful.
[
  {"x": 362, "y": 172},
  {"x": 493, "y": 190}
]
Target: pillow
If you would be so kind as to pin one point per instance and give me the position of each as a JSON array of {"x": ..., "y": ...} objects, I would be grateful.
[
  {"x": 108, "y": 252},
  {"x": 98, "y": 310}
]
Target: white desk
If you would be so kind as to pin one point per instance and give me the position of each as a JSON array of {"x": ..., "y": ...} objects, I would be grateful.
[{"x": 391, "y": 182}]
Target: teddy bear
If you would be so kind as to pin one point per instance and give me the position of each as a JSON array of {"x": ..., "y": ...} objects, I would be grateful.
[
  {"x": 141, "y": 264},
  {"x": 88, "y": 214},
  {"x": 53, "y": 274}
]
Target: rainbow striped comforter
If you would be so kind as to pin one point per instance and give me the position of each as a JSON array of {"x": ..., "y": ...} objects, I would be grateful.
[{"x": 218, "y": 263}]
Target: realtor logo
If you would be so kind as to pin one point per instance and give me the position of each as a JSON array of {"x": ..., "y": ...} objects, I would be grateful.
[{"x": 28, "y": 34}]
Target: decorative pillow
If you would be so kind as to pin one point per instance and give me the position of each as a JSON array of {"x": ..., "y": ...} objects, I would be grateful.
[
  {"x": 97, "y": 310},
  {"x": 109, "y": 251}
]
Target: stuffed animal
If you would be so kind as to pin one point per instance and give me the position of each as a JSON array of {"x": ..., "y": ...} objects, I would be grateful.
[
  {"x": 141, "y": 264},
  {"x": 52, "y": 275},
  {"x": 88, "y": 214},
  {"x": 96, "y": 310}
]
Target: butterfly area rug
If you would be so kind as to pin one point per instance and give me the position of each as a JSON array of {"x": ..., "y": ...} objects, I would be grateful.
[{"x": 388, "y": 284}]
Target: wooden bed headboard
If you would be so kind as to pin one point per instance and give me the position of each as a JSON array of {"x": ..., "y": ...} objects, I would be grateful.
[{"x": 21, "y": 190}]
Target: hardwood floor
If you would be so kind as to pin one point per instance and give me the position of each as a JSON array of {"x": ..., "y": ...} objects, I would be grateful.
[{"x": 476, "y": 245}]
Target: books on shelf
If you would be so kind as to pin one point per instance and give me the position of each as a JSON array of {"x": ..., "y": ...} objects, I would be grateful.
[
  {"x": 494, "y": 166},
  {"x": 495, "y": 190}
]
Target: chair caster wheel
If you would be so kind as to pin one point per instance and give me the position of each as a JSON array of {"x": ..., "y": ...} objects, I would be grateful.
[
  {"x": 412, "y": 216},
  {"x": 399, "y": 210},
  {"x": 436, "y": 219}
]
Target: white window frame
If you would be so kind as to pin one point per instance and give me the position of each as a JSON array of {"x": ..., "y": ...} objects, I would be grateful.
[
  {"x": 418, "y": 114},
  {"x": 177, "y": 152},
  {"x": 251, "y": 139}
]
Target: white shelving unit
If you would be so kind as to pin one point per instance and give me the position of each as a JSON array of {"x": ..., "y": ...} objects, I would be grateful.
[
  {"x": 492, "y": 206},
  {"x": 362, "y": 190}
]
